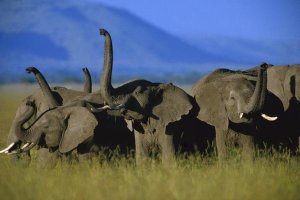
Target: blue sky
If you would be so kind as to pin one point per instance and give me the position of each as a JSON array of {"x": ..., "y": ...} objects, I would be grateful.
[{"x": 250, "y": 19}]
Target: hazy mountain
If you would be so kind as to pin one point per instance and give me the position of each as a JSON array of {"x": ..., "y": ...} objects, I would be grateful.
[
  {"x": 245, "y": 51},
  {"x": 60, "y": 37}
]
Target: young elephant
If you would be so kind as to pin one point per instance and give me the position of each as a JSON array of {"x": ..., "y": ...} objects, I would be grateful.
[
  {"x": 154, "y": 111},
  {"x": 231, "y": 102}
]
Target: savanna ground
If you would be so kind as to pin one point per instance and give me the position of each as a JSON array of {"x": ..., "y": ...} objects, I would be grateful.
[{"x": 275, "y": 176}]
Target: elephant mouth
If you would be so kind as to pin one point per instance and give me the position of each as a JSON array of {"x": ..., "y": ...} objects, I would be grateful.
[{"x": 15, "y": 148}]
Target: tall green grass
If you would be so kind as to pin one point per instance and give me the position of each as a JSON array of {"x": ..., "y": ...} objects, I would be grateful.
[{"x": 270, "y": 176}]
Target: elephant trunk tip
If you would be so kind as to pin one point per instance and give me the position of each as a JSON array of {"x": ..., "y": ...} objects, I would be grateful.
[
  {"x": 264, "y": 66},
  {"x": 84, "y": 69},
  {"x": 32, "y": 69},
  {"x": 103, "y": 31}
]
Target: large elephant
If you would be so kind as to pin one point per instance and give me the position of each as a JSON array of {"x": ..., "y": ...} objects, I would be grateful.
[
  {"x": 154, "y": 111},
  {"x": 284, "y": 101},
  {"x": 231, "y": 101},
  {"x": 50, "y": 118}
]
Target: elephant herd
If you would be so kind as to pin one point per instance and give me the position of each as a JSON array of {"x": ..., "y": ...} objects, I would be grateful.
[{"x": 247, "y": 109}]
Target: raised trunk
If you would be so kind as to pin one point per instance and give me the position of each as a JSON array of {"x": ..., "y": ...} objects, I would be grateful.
[
  {"x": 87, "y": 81},
  {"x": 257, "y": 100},
  {"x": 264, "y": 77},
  {"x": 44, "y": 87},
  {"x": 106, "y": 88}
]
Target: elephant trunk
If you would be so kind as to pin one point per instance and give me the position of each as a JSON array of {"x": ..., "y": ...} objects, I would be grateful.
[
  {"x": 22, "y": 133},
  {"x": 106, "y": 88},
  {"x": 297, "y": 87},
  {"x": 257, "y": 100},
  {"x": 44, "y": 87},
  {"x": 87, "y": 80}
]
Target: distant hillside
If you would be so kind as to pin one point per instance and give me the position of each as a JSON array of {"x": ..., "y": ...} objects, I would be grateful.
[
  {"x": 60, "y": 37},
  {"x": 246, "y": 52}
]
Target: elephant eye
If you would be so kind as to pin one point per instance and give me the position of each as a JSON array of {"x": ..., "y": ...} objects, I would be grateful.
[{"x": 232, "y": 98}]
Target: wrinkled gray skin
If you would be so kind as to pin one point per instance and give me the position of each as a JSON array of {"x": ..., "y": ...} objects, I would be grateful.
[
  {"x": 284, "y": 101},
  {"x": 152, "y": 110},
  {"x": 63, "y": 127},
  {"x": 222, "y": 96},
  {"x": 52, "y": 118},
  {"x": 41, "y": 102}
]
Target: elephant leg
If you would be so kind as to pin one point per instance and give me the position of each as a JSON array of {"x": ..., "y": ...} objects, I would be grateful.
[
  {"x": 222, "y": 150},
  {"x": 167, "y": 149},
  {"x": 247, "y": 143},
  {"x": 47, "y": 159},
  {"x": 141, "y": 151}
]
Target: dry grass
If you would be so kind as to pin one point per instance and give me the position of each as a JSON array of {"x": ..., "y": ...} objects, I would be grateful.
[{"x": 196, "y": 177}]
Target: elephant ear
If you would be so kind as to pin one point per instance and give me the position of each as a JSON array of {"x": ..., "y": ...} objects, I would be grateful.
[
  {"x": 276, "y": 83},
  {"x": 80, "y": 126},
  {"x": 174, "y": 104},
  {"x": 212, "y": 106}
]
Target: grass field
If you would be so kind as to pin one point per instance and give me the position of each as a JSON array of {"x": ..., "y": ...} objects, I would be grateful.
[{"x": 196, "y": 177}]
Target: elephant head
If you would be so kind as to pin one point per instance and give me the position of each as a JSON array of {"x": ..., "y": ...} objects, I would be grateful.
[
  {"x": 232, "y": 99},
  {"x": 140, "y": 100},
  {"x": 59, "y": 126},
  {"x": 42, "y": 100},
  {"x": 64, "y": 127}
]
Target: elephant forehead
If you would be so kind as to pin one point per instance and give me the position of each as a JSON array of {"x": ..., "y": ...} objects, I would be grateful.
[{"x": 239, "y": 84}]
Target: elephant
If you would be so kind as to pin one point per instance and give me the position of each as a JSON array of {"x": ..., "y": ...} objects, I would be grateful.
[
  {"x": 231, "y": 102},
  {"x": 155, "y": 112},
  {"x": 284, "y": 101},
  {"x": 62, "y": 96},
  {"x": 49, "y": 119}
]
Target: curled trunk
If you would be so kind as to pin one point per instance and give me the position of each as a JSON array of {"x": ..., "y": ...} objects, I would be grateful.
[
  {"x": 44, "y": 87},
  {"x": 22, "y": 133},
  {"x": 87, "y": 81},
  {"x": 257, "y": 100}
]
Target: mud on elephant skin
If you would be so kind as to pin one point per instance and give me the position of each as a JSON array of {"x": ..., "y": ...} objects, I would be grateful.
[
  {"x": 150, "y": 109},
  {"x": 231, "y": 101}
]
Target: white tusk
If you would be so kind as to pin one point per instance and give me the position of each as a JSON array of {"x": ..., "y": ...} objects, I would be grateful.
[
  {"x": 241, "y": 115},
  {"x": 107, "y": 107},
  {"x": 25, "y": 145},
  {"x": 116, "y": 107},
  {"x": 29, "y": 147},
  {"x": 7, "y": 148},
  {"x": 268, "y": 117}
]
